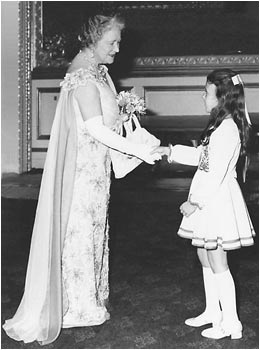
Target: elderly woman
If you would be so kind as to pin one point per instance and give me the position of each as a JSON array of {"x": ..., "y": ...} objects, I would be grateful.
[{"x": 67, "y": 275}]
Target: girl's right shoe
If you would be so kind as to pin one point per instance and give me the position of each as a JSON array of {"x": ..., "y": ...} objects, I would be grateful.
[{"x": 218, "y": 332}]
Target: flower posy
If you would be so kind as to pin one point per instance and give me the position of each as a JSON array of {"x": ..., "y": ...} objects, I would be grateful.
[{"x": 129, "y": 103}]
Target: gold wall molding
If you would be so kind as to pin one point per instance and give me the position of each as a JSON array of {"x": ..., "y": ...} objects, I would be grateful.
[
  {"x": 165, "y": 66},
  {"x": 24, "y": 85},
  {"x": 194, "y": 64},
  {"x": 36, "y": 32},
  {"x": 170, "y": 5},
  {"x": 162, "y": 66}
]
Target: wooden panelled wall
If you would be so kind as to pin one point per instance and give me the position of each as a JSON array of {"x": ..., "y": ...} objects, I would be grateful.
[{"x": 174, "y": 104}]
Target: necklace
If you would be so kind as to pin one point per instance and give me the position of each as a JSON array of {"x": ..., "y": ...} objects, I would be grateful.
[{"x": 98, "y": 70}]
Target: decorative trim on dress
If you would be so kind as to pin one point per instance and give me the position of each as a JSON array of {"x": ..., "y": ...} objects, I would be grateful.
[
  {"x": 82, "y": 75},
  {"x": 204, "y": 159},
  {"x": 214, "y": 243}
]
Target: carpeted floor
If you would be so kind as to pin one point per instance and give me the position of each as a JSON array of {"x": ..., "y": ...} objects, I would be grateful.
[{"x": 155, "y": 278}]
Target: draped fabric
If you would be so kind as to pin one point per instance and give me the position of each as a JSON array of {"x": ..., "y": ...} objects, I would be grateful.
[{"x": 39, "y": 315}]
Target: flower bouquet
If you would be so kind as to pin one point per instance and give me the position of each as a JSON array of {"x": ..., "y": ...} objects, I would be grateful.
[{"x": 131, "y": 106}]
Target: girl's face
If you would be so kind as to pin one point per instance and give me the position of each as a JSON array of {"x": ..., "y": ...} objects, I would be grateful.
[
  {"x": 107, "y": 47},
  {"x": 209, "y": 97}
]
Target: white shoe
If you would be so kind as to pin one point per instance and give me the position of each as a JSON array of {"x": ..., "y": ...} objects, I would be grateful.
[
  {"x": 219, "y": 332},
  {"x": 202, "y": 320},
  {"x": 212, "y": 302}
]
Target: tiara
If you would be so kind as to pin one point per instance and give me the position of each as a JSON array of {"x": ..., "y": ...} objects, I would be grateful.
[{"x": 236, "y": 79}]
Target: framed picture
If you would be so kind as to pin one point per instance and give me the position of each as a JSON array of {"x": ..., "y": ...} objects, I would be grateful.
[{"x": 177, "y": 34}]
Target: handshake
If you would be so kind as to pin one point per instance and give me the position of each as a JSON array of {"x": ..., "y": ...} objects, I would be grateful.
[
  {"x": 150, "y": 154},
  {"x": 157, "y": 152}
]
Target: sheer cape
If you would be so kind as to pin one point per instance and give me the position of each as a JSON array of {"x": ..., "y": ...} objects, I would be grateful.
[{"x": 39, "y": 315}]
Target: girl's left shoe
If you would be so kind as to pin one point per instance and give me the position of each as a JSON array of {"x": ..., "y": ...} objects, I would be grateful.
[
  {"x": 219, "y": 332},
  {"x": 212, "y": 313}
]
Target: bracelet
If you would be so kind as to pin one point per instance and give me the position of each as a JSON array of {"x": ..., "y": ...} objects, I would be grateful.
[
  {"x": 170, "y": 154},
  {"x": 194, "y": 204}
]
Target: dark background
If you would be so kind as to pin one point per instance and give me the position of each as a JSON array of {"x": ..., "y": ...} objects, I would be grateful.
[{"x": 164, "y": 28}]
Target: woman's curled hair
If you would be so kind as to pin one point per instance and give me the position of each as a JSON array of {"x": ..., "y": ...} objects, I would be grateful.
[
  {"x": 231, "y": 101},
  {"x": 96, "y": 26}
]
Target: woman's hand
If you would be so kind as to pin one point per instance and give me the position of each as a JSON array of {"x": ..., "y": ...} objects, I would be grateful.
[
  {"x": 187, "y": 208},
  {"x": 162, "y": 150}
]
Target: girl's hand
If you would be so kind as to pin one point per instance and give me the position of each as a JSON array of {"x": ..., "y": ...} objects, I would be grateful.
[
  {"x": 162, "y": 150},
  {"x": 187, "y": 208}
]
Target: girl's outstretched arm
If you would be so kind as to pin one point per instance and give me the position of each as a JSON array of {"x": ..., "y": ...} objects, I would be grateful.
[{"x": 187, "y": 155}]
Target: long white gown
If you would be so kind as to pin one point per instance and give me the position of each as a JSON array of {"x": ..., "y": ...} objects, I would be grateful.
[
  {"x": 85, "y": 253},
  {"x": 67, "y": 274}
]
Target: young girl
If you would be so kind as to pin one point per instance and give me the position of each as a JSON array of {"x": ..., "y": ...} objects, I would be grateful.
[{"x": 215, "y": 216}]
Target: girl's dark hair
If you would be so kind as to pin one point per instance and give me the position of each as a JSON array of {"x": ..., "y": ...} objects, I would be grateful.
[
  {"x": 96, "y": 26},
  {"x": 231, "y": 101}
]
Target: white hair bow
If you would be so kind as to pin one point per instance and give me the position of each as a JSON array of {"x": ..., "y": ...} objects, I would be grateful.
[{"x": 236, "y": 79}]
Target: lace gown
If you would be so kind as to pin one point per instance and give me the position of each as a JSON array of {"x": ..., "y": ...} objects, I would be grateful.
[
  {"x": 66, "y": 281},
  {"x": 85, "y": 251}
]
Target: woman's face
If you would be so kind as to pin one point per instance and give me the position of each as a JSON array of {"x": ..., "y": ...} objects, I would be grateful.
[
  {"x": 107, "y": 47},
  {"x": 209, "y": 97}
]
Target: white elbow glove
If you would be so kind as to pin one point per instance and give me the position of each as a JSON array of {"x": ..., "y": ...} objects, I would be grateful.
[{"x": 102, "y": 133}]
